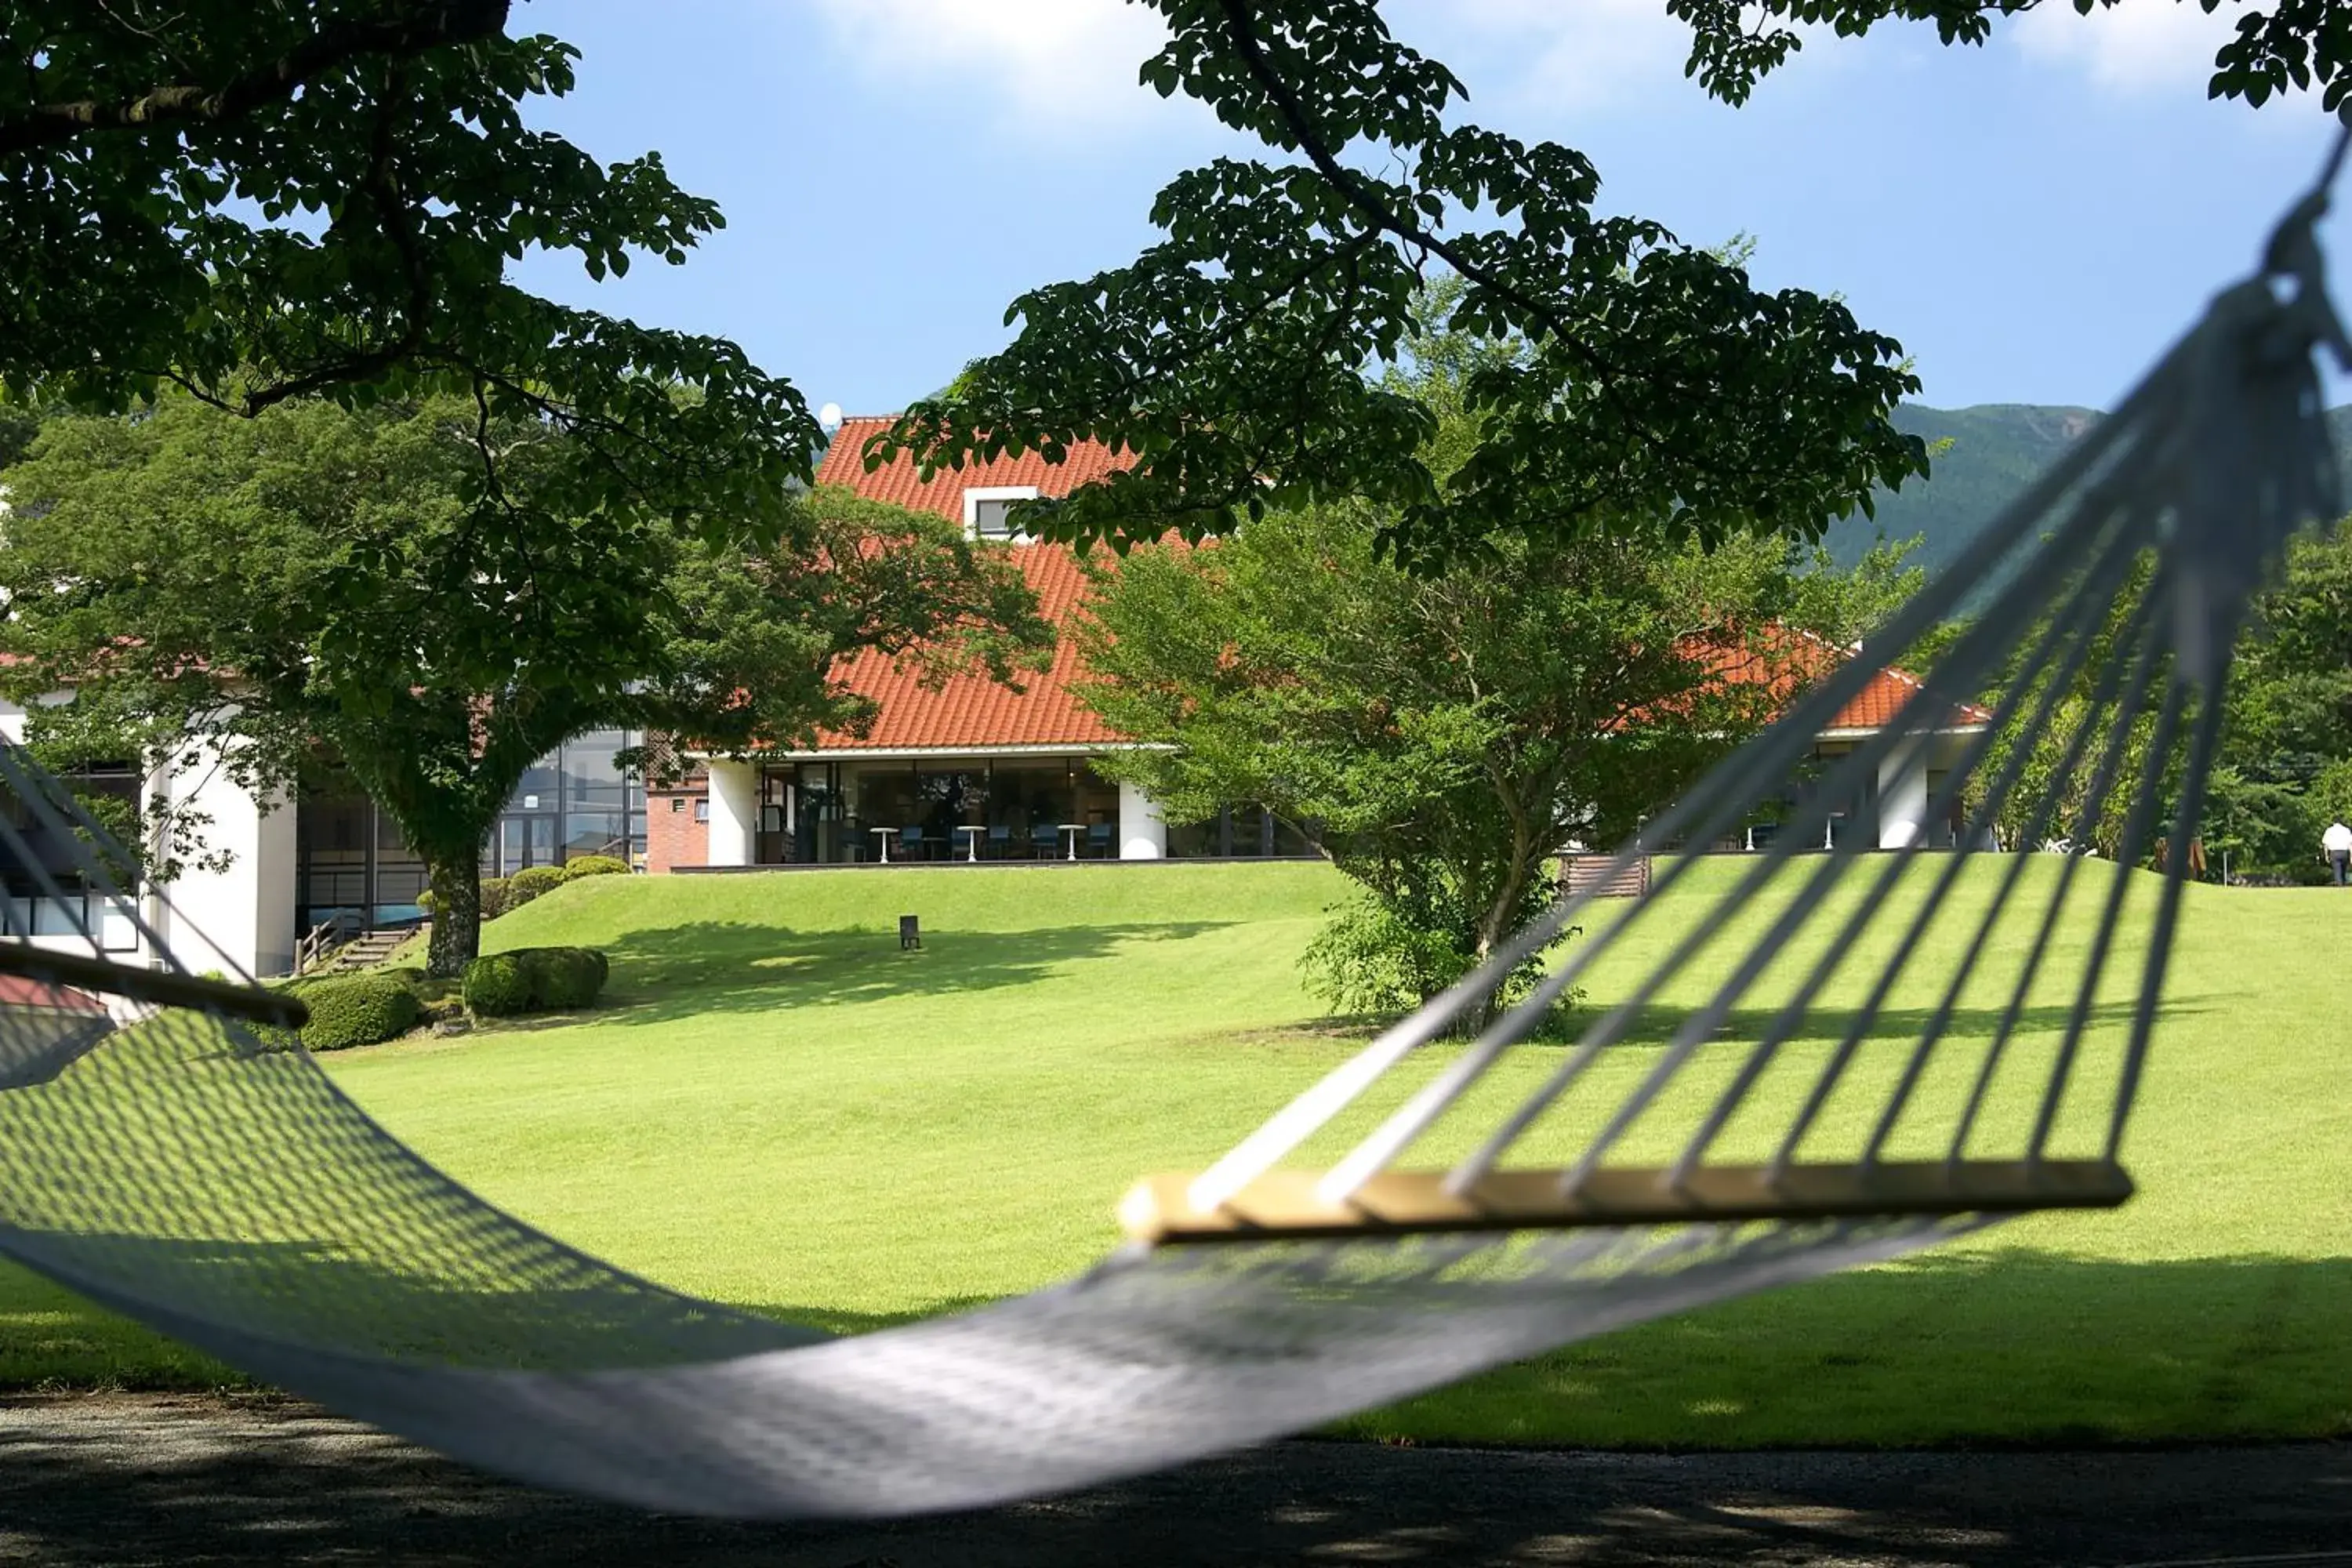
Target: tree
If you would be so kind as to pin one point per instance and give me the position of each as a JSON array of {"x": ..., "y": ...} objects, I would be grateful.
[
  {"x": 256, "y": 200},
  {"x": 322, "y": 584},
  {"x": 2294, "y": 43},
  {"x": 1447, "y": 735},
  {"x": 1661, "y": 393},
  {"x": 2287, "y": 745}
]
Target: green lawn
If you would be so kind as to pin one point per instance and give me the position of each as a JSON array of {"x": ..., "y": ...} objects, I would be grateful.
[{"x": 778, "y": 1108}]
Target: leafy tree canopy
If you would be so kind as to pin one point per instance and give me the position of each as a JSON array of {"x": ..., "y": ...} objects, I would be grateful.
[
  {"x": 1661, "y": 392},
  {"x": 323, "y": 584},
  {"x": 1448, "y": 734},
  {"x": 260, "y": 199},
  {"x": 2286, "y": 754},
  {"x": 2278, "y": 43}
]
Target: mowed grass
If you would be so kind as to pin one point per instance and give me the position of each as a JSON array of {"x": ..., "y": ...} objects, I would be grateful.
[{"x": 778, "y": 1108}]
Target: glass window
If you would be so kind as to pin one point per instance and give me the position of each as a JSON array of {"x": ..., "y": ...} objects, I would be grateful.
[
  {"x": 590, "y": 779},
  {"x": 594, "y": 833},
  {"x": 992, "y": 519},
  {"x": 61, "y": 917},
  {"x": 702, "y": 809}
]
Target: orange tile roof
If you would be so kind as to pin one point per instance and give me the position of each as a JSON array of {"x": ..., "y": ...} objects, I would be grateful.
[
  {"x": 1793, "y": 659},
  {"x": 974, "y": 712},
  {"x": 898, "y": 481},
  {"x": 23, "y": 991}
]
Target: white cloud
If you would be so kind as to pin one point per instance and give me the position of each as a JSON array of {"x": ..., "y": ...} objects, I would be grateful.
[
  {"x": 1051, "y": 65},
  {"x": 2139, "y": 46}
]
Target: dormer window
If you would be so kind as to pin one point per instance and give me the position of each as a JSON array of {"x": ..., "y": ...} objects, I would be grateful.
[{"x": 987, "y": 510}]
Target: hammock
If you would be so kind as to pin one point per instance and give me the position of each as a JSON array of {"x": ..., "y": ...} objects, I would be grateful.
[{"x": 1775, "y": 1090}]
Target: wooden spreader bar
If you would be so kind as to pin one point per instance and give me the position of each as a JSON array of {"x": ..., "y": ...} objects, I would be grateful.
[
  {"x": 1281, "y": 1205},
  {"x": 164, "y": 987}
]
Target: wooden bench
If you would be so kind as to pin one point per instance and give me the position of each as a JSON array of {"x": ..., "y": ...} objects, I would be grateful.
[{"x": 1590, "y": 873}]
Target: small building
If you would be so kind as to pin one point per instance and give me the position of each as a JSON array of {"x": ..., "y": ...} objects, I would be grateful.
[{"x": 969, "y": 770}]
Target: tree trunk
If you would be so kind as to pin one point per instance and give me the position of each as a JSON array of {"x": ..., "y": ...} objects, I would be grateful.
[
  {"x": 456, "y": 916},
  {"x": 1495, "y": 928}
]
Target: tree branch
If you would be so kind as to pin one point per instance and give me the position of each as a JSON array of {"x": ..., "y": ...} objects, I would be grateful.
[
  {"x": 1241, "y": 28},
  {"x": 416, "y": 27}
]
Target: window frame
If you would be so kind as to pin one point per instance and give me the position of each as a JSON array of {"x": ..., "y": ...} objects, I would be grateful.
[{"x": 973, "y": 495}]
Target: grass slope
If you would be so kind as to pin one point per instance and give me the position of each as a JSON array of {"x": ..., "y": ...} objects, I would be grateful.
[{"x": 778, "y": 1108}]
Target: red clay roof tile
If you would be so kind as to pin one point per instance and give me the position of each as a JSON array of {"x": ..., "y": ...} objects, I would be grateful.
[{"x": 972, "y": 712}]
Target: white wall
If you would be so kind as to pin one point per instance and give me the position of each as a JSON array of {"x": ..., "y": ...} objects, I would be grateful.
[
  {"x": 734, "y": 813},
  {"x": 240, "y": 918},
  {"x": 237, "y": 918},
  {"x": 1903, "y": 795},
  {"x": 1142, "y": 832},
  {"x": 119, "y": 937}
]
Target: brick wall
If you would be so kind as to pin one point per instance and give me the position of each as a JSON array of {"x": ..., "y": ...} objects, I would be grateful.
[{"x": 676, "y": 830}]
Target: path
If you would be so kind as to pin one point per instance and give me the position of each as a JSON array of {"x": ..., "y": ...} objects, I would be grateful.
[{"x": 136, "y": 1480}]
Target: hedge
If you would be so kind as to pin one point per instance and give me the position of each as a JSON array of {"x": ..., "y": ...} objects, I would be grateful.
[
  {"x": 534, "y": 980},
  {"x": 493, "y": 900},
  {"x": 500, "y": 894},
  {"x": 358, "y": 1010},
  {"x": 530, "y": 882}
]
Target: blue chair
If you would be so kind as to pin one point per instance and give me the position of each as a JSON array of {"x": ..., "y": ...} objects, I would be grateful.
[
  {"x": 1045, "y": 840},
  {"x": 999, "y": 842},
  {"x": 910, "y": 843},
  {"x": 1099, "y": 840}
]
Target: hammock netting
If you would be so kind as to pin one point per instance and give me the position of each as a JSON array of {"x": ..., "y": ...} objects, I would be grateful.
[{"x": 1859, "y": 1052}]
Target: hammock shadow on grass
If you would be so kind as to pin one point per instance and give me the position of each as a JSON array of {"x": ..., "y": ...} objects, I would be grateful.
[
  {"x": 2000, "y": 1347},
  {"x": 1952, "y": 1337},
  {"x": 1657, "y": 1024},
  {"x": 712, "y": 967}
]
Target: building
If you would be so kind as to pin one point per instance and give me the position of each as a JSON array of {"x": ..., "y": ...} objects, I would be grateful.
[
  {"x": 971, "y": 770},
  {"x": 968, "y": 771}
]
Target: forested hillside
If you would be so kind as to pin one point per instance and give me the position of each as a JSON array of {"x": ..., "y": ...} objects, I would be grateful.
[{"x": 1996, "y": 450}]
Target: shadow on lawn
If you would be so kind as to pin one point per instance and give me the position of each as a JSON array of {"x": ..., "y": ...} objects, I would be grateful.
[
  {"x": 710, "y": 966},
  {"x": 1655, "y": 1025},
  {"x": 191, "y": 1483}
]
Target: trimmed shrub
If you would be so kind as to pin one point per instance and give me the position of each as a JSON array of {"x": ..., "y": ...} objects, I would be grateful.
[
  {"x": 529, "y": 883},
  {"x": 277, "y": 1036},
  {"x": 594, "y": 866},
  {"x": 497, "y": 898},
  {"x": 563, "y": 977},
  {"x": 496, "y": 986},
  {"x": 425, "y": 900},
  {"x": 534, "y": 980},
  {"x": 358, "y": 1010}
]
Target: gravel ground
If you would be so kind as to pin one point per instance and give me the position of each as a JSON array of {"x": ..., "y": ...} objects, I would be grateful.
[{"x": 133, "y": 1479}]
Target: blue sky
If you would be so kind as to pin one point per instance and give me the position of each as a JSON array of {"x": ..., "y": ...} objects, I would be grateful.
[{"x": 2034, "y": 220}]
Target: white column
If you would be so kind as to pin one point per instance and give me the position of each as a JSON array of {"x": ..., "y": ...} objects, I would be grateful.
[
  {"x": 239, "y": 917},
  {"x": 734, "y": 813},
  {"x": 1903, "y": 797},
  {"x": 1142, "y": 832}
]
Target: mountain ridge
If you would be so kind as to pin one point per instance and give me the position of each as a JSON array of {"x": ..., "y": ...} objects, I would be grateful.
[{"x": 1997, "y": 450}]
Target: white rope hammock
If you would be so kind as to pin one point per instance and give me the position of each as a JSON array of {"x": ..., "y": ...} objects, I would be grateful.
[{"x": 165, "y": 1163}]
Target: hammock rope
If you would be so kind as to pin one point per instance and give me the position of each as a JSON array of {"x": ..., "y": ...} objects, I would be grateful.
[{"x": 1721, "y": 1125}]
